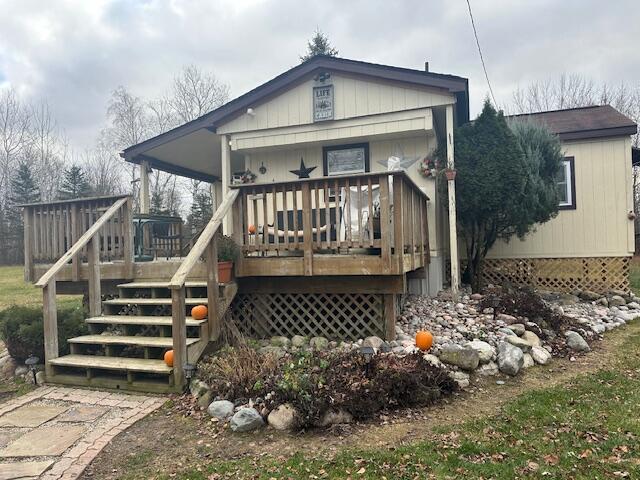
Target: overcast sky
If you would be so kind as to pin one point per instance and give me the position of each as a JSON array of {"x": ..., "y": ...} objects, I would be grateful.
[{"x": 75, "y": 52}]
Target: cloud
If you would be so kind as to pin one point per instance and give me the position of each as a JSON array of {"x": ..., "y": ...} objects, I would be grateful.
[{"x": 75, "y": 52}]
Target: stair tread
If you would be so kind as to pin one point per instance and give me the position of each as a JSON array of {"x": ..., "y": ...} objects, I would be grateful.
[
  {"x": 162, "y": 342},
  {"x": 152, "y": 301},
  {"x": 141, "y": 320},
  {"x": 200, "y": 284},
  {"x": 112, "y": 363}
]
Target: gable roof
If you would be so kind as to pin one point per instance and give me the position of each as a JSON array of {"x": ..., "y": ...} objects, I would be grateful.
[
  {"x": 459, "y": 86},
  {"x": 584, "y": 122}
]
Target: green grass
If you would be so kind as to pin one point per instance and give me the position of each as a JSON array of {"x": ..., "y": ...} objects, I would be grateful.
[
  {"x": 588, "y": 429},
  {"x": 15, "y": 291},
  {"x": 634, "y": 275}
]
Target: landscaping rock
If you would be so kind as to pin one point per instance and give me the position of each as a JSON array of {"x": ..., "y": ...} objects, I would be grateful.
[
  {"x": 333, "y": 417},
  {"x": 319, "y": 343},
  {"x": 432, "y": 359},
  {"x": 589, "y": 296},
  {"x": 517, "y": 328},
  {"x": 519, "y": 342},
  {"x": 540, "y": 355},
  {"x": 617, "y": 301},
  {"x": 576, "y": 342},
  {"x": 485, "y": 351},
  {"x": 531, "y": 338},
  {"x": 198, "y": 388},
  {"x": 283, "y": 417},
  {"x": 508, "y": 319},
  {"x": 40, "y": 377},
  {"x": 20, "y": 370},
  {"x": 374, "y": 342},
  {"x": 488, "y": 369},
  {"x": 246, "y": 420},
  {"x": 463, "y": 357},
  {"x": 527, "y": 360},
  {"x": 221, "y": 409},
  {"x": 298, "y": 341},
  {"x": 280, "y": 342},
  {"x": 510, "y": 358},
  {"x": 507, "y": 331},
  {"x": 273, "y": 350},
  {"x": 461, "y": 378}
]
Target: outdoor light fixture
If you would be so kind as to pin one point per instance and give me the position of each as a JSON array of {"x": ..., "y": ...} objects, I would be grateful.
[
  {"x": 367, "y": 353},
  {"x": 494, "y": 301},
  {"x": 189, "y": 370},
  {"x": 31, "y": 363}
]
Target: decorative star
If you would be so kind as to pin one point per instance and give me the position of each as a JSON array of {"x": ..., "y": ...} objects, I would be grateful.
[
  {"x": 398, "y": 160},
  {"x": 303, "y": 172}
]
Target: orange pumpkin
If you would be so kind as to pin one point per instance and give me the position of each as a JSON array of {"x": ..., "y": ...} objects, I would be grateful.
[
  {"x": 252, "y": 229},
  {"x": 424, "y": 340},
  {"x": 168, "y": 358},
  {"x": 199, "y": 312}
]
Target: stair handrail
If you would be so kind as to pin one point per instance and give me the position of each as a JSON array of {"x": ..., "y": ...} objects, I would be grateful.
[
  {"x": 47, "y": 282},
  {"x": 80, "y": 243},
  {"x": 207, "y": 246}
]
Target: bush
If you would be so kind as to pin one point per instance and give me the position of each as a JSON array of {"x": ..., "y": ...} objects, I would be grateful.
[
  {"x": 22, "y": 329},
  {"x": 228, "y": 249}
]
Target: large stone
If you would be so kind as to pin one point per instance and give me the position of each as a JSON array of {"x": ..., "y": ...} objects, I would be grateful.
[
  {"x": 31, "y": 415},
  {"x": 298, "y": 341},
  {"x": 82, "y": 413},
  {"x": 527, "y": 360},
  {"x": 283, "y": 417},
  {"x": 461, "y": 378},
  {"x": 221, "y": 409},
  {"x": 198, "y": 388},
  {"x": 540, "y": 355},
  {"x": 517, "y": 328},
  {"x": 488, "y": 369},
  {"x": 333, "y": 417},
  {"x": 485, "y": 351},
  {"x": 278, "y": 352},
  {"x": 519, "y": 342},
  {"x": 576, "y": 342},
  {"x": 280, "y": 342},
  {"x": 246, "y": 420},
  {"x": 374, "y": 342},
  {"x": 319, "y": 343},
  {"x": 26, "y": 469},
  {"x": 463, "y": 357},
  {"x": 589, "y": 296},
  {"x": 432, "y": 359},
  {"x": 508, "y": 319},
  {"x": 510, "y": 358},
  {"x": 44, "y": 441},
  {"x": 617, "y": 301},
  {"x": 531, "y": 338}
]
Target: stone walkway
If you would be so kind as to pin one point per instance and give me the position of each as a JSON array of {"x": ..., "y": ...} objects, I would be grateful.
[{"x": 55, "y": 432}]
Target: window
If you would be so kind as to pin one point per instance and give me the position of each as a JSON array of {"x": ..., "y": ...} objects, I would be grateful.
[
  {"x": 346, "y": 159},
  {"x": 567, "y": 185}
]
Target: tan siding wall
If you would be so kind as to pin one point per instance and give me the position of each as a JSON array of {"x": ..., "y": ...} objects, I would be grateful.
[
  {"x": 353, "y": 97},
  {"x": 599, "y": 226},
  {"x": 280, "y": 162}
]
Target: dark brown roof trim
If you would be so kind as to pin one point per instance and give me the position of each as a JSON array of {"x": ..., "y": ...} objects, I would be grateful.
[
  {"x": 457, "y": 85},
  {"x": 599, "y": 133},
  {"x": 175, "y": 169}
]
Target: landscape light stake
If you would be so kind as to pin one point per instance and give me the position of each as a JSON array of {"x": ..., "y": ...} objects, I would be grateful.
[
  {"x": 367, "y": 353},
  {"x": 189, "y": 370},
  {"x": 31, "y": 363}
]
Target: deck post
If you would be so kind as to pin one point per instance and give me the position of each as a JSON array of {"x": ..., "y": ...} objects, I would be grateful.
[
  {"x": 213, "y": 290},
  {"x": 28, "y": 243},
  {"x": 237, "y": 212},
  {"x": 145, "y": 203},
  {"x": 398, "y": 226},
  {"x": 226, "y": 177},
  {"x": 95, "y": 292},
  {"x": 179, "y": 334},
  {"x": 389, "y": 316},
  {"x": 127, "y": 233},
  {"x": 50, "y": 324},
  {"x": 385, "y": 222},
  {"x": 453, "y": 230},
  {"x": 307, "y": 240},
  {"x": 75, "y": 235}
]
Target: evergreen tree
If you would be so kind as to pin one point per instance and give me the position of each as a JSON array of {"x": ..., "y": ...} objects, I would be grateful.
[
  {"x": 23, "y": 186},
  {"x": 505, "y": 184},
  {"x": 201, "y": 210},
  {"x": 23, "y": 190},
  {"x": 318, "y": 45},
  {"x": 75, "y": 184}
]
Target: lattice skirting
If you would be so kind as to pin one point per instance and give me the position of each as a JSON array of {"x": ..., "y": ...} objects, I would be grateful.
[
  {"x": 599, "y": 274},
  {"x": 331, "y": 315}
]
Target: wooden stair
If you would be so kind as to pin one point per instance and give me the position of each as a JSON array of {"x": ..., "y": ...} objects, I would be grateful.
[{"x": 125, "y": 346}]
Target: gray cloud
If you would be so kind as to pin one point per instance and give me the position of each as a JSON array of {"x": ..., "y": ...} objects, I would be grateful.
[{"x": 74, "y": 53}]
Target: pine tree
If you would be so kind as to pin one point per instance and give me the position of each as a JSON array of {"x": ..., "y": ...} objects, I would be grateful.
[
  {"x": 318, "y": 45},
  {"x": 23, "y": 190},
  {"x": 75, "y": 184},
  {"x": 23, "y": 186},
  {"x": 201, "y": 210}
]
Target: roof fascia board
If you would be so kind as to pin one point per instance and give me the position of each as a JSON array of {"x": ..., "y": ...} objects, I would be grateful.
[{"x": 174, "y": 169}]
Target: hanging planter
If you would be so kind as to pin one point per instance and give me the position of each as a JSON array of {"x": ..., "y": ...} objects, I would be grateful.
[
  {"x": 428, "y": 167},
  {"x": 450, "y": 173}
]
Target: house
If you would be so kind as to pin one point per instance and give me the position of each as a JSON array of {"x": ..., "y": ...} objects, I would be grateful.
[{"x": 337, "y": 224}]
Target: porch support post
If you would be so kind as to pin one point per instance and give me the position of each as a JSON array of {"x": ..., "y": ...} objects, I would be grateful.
[
  {"x": 453, "y": 230},
  {"x": 226, "y": 178},
  {"x": 145, "y": 202}
]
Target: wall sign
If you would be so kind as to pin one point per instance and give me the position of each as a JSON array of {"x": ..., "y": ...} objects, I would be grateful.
[
  {"x": 323, "y": 103},
  {"x": 346, "y": 159}
]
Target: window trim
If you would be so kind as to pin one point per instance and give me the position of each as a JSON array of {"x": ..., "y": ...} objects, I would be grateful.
[{"x": 571, "y": 182}]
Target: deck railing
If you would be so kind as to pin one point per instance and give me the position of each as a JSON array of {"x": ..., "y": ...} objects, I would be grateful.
[
  {"x": 381, "y": 214},
  {"x": 92, "y": 242},
  {"x": 50, "y": 229}
]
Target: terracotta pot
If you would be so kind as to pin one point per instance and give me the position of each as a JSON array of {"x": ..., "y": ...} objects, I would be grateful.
[
  {"x": 451, "y": 174},
  {"x": 224, "y": 271}
]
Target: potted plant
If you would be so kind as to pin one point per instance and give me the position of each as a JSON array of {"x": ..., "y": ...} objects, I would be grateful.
[{"x": 227, "y": 253}]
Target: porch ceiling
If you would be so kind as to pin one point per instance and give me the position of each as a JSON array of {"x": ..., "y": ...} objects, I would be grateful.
[{"x": 195, "y": 155}]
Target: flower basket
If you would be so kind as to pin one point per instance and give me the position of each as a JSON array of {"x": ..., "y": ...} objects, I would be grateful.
[{"x": 450, "y": 173}]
